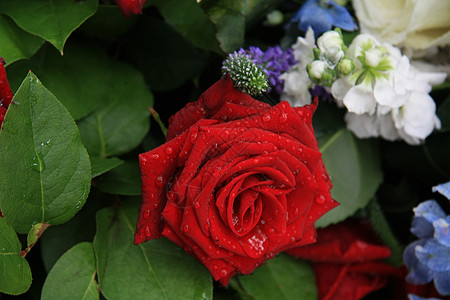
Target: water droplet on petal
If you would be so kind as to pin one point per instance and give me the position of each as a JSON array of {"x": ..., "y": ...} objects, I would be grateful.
[
  {"x": 147, "y": 214},
  {"x": 267, "y": 117},
  {"x": 283, "y": 118},
  {"x": 320, "y": 199},
  {"x": 223, "y": 273},
  {"x": 168, "y": 150},
  {"x": 197, "y": 204},
  {"x": 154, "y": 156},
  {"x": 147, "y": 231},
  {"x": 160, "y": 181},
  {"x": 255, "y": 161},
  {"x": 186, "y": 228}
]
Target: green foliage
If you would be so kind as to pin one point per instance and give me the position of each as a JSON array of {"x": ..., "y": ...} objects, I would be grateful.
[
  {"x": 52, "y": 20},
  {"x": 281, "y": 278},
  {"x": 15, "y": 273},
  {"x": 45, "y": 171},
  {"x": 73, "y": 275},
  {"x": 156, "y": 269}
]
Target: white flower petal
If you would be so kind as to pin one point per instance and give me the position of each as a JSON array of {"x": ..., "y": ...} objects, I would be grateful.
[
  {"x": 359, "y": 100},
  {"x": 363, "y": 126},
  {"x": 385, "y": 94}
]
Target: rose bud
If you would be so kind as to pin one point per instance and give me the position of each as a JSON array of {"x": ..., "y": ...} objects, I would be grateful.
[
  {"x": 129, "y": 7},
  {"x": 236, "y": 182}
]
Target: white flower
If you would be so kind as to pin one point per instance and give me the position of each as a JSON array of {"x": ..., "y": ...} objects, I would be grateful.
[
  {"x": 317, "y": 69},
  {"x": 386, "y": 96},
  {"x": 296, "y": 80},
  {"x": 418, "y": 24},
  {"x": 331, "y": 47}
]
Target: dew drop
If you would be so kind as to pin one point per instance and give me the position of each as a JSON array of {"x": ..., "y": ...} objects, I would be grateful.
[
  {"x": 255, "y": 161},
  {"x": 320, "y": 199},
  {"x": 215, "y": 267},
  {"x": 168, "y": 150},
  {"x": 267, "y": 117},
  {"x": 223, "y": 273},
  {"x": 186, "y": 228},
  {"x": 147, "y": 214},
  {"x": 155, "y": 205},
  {"x": 147, "y": 231},
  {"x": 154, "y": 156},
  {"x": 186, "y": 212},
  {"x": 160, "y": 181},
  {"x": 271, "y": 230},
  {"x": 197, "y": 204},
  {"x": 283, "y": 118}
]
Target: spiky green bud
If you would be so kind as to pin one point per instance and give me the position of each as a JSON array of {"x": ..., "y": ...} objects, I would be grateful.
[{"x": 247, "y": 76}]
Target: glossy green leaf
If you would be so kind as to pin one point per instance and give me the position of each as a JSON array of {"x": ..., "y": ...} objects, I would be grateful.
[
  {"x": 120, "y": 124},
  {"x": 44, "y": 169},
  {"x": 15, "y": 273},
  {"x": 73, "y": 276},
  {"x": 79, "y": 79},
  {"x": 281, "y": 278},
  {"x": 123, "y": 180},
  {"x": 164, "y": 56},
  {"x": 53, "y": 20},
  {"x": 189, "y": 18},
  {"x": 81, "y": 228},
  {"x": 355, "y": 170},
  {"x": 156, "y": 269},
  {"x": 100, "y": 165},
  {"x": 16, "y": 43},
  {"x": 229, "y": 22}
]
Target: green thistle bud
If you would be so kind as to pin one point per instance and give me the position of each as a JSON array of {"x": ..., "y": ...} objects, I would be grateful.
[{"x": 247, "y": 76}]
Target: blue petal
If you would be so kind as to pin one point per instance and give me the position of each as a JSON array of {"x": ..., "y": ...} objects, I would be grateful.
[
  {"x": 442, "y": 283},
  {"x": 430, "y": 210},
  {"x": 318, "y": 19},
  {"x": 341, "y": 17},
  {"x": 442, "y": 231},
  {"x": 443, "y": 188},
  {"x": 434, "y": 255},
  {"x": 418, "y": 272},
  {"x": 414, "y": 297},
  {"x": 422, "y": 228}
]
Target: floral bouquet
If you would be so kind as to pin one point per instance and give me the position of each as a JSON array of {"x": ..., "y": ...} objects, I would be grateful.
[{"x": 218, "y": 149}]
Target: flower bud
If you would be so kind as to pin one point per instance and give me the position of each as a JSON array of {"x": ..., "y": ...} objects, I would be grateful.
[
  {"x": 316, "y": 69},
  {"x": 373, "y": 57},
  {"x": 345, "y": 66},
  {"x": 331, "y": 47},
  {"x": 273, "y": 18}
]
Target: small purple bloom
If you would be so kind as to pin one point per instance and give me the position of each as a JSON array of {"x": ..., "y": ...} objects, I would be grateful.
[
  {"x": 322, "y": 15},
  {"x": 274, "y": 61}
]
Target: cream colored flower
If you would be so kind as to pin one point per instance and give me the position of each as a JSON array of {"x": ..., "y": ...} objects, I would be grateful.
[{"x": 418, "y": 24}]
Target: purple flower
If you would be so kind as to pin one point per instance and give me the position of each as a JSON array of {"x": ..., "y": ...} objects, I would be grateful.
[
  {"x": 274, "y": 61},
  {"x": 322, "y": 15}
]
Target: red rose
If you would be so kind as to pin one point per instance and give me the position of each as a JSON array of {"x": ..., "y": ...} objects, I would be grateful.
[
  {"x": 236, "y": 182},
  {"x": 129, "y": 7},
  {"x": 6, "y": 93},
  {"x": 346, "y": 261}
]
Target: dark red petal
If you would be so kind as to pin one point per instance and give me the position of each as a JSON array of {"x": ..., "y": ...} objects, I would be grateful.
[
  {"x": 157, "y": 167},
  {"x": 129, "y": 7},
  {"x": 6, "y": 94}
]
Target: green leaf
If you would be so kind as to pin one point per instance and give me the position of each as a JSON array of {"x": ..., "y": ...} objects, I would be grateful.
[
  {"x": 16, "y": 43},
  {"x": 80, "y": 79},
  {"x": 281, "y": 278},
  {"x": 156, "y": 269},
  {"x": 164, "y": 56},
  {"x": 123, "y": 180},
  {"x": 15, "y": 273},
  {"x": 229, "y": 22},
  {"x": 188, "y": 17},
  {"x": 102, "y": 165},
  {"x": 73, "y": 276},
  {"x": 120, "y": 124},
  {"x": 355, "y": 170},
  {"x": 44, "y": 169},
  {"x": 81, "y": 228},
  {"x": 53, "y": 20}
]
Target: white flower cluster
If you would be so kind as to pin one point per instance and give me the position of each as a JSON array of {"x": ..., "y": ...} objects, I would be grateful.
[
  {"x": 386, "y": 96},
  {"x": 383, "y": 93},
  {"x": 296, "y": 80}
]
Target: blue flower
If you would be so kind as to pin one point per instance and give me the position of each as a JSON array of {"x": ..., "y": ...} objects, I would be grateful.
[
  {"x": 322, "y": 15},
  {"x": 429, "y": 258}
]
